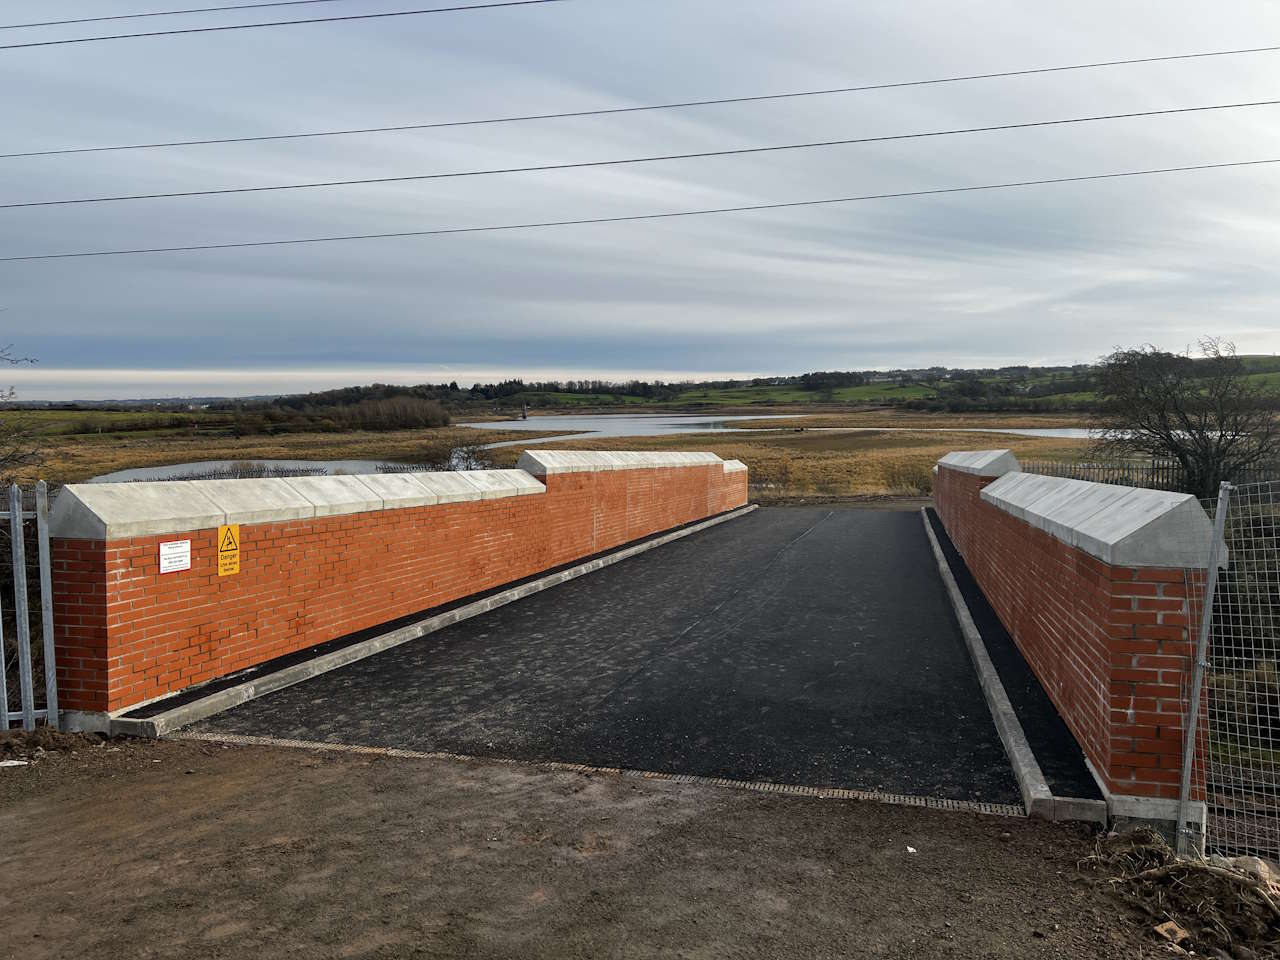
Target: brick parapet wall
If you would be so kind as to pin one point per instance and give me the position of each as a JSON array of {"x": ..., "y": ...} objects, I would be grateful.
[
  {"x": 126, "y": 633},
  {"x": 1110, "y": 644}
]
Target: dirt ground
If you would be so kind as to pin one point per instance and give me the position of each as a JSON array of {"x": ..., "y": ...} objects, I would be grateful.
[{"x": 185, "y": 849}]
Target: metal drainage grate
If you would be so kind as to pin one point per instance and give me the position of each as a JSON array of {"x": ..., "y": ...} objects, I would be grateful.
[{"x": 785, "y": 789}]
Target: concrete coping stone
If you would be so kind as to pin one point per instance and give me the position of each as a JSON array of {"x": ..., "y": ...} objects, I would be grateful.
[
  {"x": 400, "y": 490},
  {"x": 982, "y": 463},
  {"x": 337, "y": 495},
  {"x": 448, "y": 487},
  {"x": 493, "y": 484},
  {"x": 735, "y": 466},
  {"x": 251, "y": 500},
  {"x": 1121, "y": 526},
  {"x": 544, "y": 463},
  {"x": 98, "y": 511},
  {"x": 1021, "y": 491}
]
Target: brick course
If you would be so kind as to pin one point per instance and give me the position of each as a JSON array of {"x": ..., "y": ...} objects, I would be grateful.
[
  {"x": 126, "y": 634},
  {"x": 1111, "y": 645}
]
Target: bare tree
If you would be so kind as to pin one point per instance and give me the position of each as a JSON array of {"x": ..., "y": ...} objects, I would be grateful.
[
  {"x": 1203, "y": 412},
  {"x": 19, "y": 446}
]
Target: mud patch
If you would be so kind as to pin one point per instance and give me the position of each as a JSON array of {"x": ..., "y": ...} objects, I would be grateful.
[
  {"x": 395, "y": 857},
  {"x": 27, "y": 744}
]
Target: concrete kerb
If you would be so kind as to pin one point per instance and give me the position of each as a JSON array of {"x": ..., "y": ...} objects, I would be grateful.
[
  {"x": 1037, "y": 798},
  {"x": 170, "y": 720}
]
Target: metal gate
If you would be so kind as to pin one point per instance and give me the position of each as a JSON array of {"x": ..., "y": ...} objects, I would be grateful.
[{"x": 30, "y": 664}]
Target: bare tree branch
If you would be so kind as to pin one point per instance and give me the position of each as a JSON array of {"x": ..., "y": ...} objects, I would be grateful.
[{"x": 1203, "y": 412}]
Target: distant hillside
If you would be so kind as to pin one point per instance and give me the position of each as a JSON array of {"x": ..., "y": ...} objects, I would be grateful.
[
  {"x": 1017, "y": 388},
  {"x": 395, "y": 406}
]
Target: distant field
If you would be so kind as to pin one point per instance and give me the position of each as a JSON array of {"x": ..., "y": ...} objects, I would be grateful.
[
  {"x": 919, "y": 419},
  {"x": 870, "y": 392},
  {"x": 68, "y": 422},
  {"x": 1270, "y": 380}
]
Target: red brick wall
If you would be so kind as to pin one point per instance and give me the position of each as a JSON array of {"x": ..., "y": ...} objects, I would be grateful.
[
  {"x": 1110, "y": 645},
  {"x": 126, "y": 634}
]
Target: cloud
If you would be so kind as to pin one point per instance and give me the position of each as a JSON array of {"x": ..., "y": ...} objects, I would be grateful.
[{"x": 1050, "y": 274}]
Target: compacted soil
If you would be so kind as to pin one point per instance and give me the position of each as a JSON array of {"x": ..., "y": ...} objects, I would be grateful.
[{"x": 199, "y": 849}]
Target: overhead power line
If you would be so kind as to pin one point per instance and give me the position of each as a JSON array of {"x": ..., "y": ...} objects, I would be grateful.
[
  {"x": 281, "y": 23},
  {"x": 628, "y": 161},
  {"x": 449, "y": 231},
  {"x": 657, "y": 106},
  {"x": 165, "y": 13}
]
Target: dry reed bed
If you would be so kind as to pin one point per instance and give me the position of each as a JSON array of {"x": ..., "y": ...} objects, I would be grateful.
[{"x": 881, "y": 463}]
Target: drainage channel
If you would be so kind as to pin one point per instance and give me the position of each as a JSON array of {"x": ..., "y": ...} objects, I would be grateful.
[{"x": 754, "y": 786}]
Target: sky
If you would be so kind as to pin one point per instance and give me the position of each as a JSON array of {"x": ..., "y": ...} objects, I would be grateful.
[{"x": 1041, "y": 275}]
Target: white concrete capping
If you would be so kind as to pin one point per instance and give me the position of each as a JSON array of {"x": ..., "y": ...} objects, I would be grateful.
[
  {"x": 400, "y": 490},
  {"x": 494, "y": 484},
  {"x": 1122, "y": 526},
  {"x": 735, "y": 466},
  {"x": 251, "y": 500},
  {"x": 336, "y": 495},
  {"x": 544, "y": 463},
  {"x": 634, "y": 460},
  {"x": 982, "y": 463},
  {"x": 106, "y": 511},
  {"x": 1023, "y": 490},
  {"x": 448, "y": 487}
]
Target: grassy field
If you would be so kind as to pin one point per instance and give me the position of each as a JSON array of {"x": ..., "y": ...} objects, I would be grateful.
[
  {"x": 904, "y": 419},
  {"x": 105, "y": 422},
  {"x": 748, "y": 396}
]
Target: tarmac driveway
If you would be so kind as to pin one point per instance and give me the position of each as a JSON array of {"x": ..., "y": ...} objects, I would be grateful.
[{"x": 802, "y": 645}]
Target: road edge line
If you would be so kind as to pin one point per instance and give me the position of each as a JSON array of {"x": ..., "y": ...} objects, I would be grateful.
[{"x": 170, "y": 720}]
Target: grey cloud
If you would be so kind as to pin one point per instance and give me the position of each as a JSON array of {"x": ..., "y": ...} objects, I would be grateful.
[{"x": 1050, "y": 274}]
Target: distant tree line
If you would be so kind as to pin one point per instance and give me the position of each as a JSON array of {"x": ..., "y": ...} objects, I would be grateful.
[{"x": 375, "y": 407}]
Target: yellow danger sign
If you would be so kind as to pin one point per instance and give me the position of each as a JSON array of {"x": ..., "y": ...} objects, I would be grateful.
[{"x": 229, "y": 550}]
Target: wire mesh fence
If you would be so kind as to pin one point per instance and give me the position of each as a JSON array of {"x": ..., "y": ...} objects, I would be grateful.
[
  {"x": 1156, "y": 474},
  {"x": 1238, "y": 739}
]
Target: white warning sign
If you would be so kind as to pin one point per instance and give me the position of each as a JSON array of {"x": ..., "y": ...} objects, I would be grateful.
[{"x": 175, "y": 555}]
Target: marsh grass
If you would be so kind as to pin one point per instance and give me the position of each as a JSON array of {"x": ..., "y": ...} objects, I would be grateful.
[
  {"x": 71, "y": 459},
  {"x": 855, "y": 464}
]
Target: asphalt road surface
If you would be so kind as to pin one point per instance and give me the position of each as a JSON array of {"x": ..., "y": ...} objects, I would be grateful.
[{"x": 803, "y": 645}]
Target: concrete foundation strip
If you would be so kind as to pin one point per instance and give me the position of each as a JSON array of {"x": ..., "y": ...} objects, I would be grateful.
[
  {"x": 1037, "y": 798},
  {"x": 170, "y": 720},
  {"x": 755, "y": 786}
]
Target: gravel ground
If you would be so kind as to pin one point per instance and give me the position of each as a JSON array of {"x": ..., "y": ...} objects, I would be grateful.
[{"x": 183, "y": 849}]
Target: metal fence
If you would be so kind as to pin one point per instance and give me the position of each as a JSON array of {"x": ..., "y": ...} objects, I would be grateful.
[
  {"x": 33, "y": 664},
  {"x": 1152, "y": 475},
  {"x": 1235, "y": 694}
]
